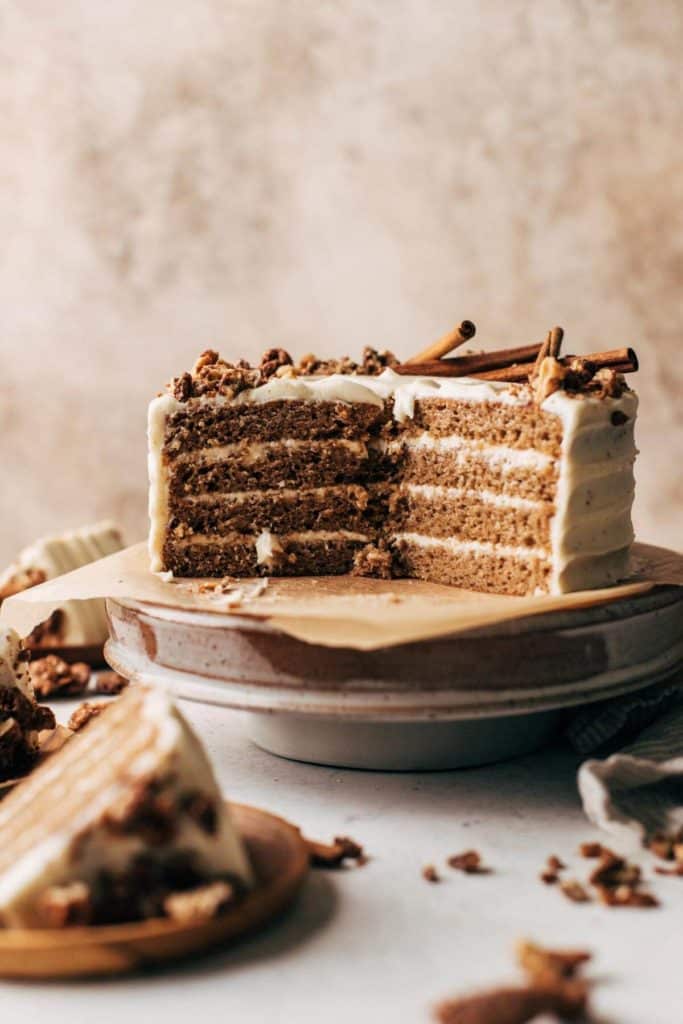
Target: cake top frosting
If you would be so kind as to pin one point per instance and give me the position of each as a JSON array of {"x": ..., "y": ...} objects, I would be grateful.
[{"x": 375, "y": 379}]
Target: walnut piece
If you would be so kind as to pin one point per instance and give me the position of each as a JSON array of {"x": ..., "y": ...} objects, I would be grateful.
[
  {"x": 469, "y": 862},
  {"x": 53, "y": 677},
  {"x": 84, "y": 714}
]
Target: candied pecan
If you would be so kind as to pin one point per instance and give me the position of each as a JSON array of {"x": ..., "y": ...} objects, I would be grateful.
[
  {"x": 52, "y": 676},
  {"x": 200, "y": 904},
  {"x": 84, "y": 714},
  {"x": 430, "y": 874},
  {"x": 590, "y": 849}
]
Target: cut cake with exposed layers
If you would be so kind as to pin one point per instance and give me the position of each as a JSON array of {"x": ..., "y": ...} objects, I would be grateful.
[
  {"x": 125, "y": 815},
  {"x": 464, "y": 481}
]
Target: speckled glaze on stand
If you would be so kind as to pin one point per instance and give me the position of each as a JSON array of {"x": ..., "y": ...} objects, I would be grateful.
[{"x": 466, "y": 699}]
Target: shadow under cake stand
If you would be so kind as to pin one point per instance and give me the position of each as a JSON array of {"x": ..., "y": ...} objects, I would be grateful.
[{"x": 471, "y": 698}]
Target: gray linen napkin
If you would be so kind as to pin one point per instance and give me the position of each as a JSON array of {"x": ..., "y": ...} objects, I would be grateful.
[{"x": 639, "y": 789}]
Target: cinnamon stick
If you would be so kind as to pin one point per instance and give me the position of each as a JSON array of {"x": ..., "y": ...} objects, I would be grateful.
[
  {"x": 543, "y": 353},
  {"x": 623, "y": 360},
  {"x": 466, "y": 366},
  {"x": 458, "y": 336},
  {"x": 556, "y": 336}
]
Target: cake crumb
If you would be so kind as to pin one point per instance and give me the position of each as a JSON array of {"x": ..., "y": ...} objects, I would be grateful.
[
  {"x": 109, "y": 683},
  {"x": 200, "y": 904},
  {"x": 574, "y": 891},
  {"x": 469, "y": 862},
  {"x": 430, "y": 874},
  {"x": 590, "y": 849},
  {"x": 373, "y": 560},
  {"x": 61, "y": 906},
  {"x": 333, "y": 855}
]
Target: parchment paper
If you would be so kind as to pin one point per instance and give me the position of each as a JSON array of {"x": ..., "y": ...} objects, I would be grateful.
[{"x": 335, "y": 611}]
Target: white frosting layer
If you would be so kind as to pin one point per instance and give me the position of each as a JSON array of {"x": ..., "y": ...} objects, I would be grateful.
[
  {"x": 85, "y": 622},
  {"x": 440, "y": 492},
  {"x": 477, "y": 546},
  {"x": 267, "y": 539},
  {"x": 175, "y": 755},
  {"x": 462, "y": 448},
  {"x": 259, "y": 451},
  {"x": 592, "y": 522}
]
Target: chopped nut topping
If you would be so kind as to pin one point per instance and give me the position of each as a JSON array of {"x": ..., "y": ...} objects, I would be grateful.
[
  {"x": 333, "y": 855},
  {"x": 430, "y": 874},
  {"x": 52, "y": 676},
  {"x": 536, "y": 960},
  {"x": 574, "y": 891},
  {"x": 64, "y": 905},
  {"x": 469, "y": 862},
  {"x": 22, "y": 579},
  {"x": 590, "y": 849},
  {"x": 84, "y": 714},
  {"x": 109, "y": 683},
  {"x": 200, "y": 904}
]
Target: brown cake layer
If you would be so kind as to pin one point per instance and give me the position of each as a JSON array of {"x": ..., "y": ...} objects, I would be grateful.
[
  {"x": 200, "y": 425},
  {"x": 279, "y": 511},
  {"x": 330, "y": 557},
  {"x": 467, "y": 518},
  {"x": 312, "y": 464},
  {"x": 502, "y": 574},
  {"x": 472, "y": 472},
  {"x": 517, "y": 426}
]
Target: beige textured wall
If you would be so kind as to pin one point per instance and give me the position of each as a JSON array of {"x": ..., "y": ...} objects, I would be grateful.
[{"x": 322, "y": 175}]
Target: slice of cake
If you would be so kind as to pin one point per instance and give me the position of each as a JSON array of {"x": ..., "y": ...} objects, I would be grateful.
[
  {"x": 21, "y": 718},
  {"x": 118, "y": 823},
  {"x": 78, "y": 623},
  {"x": 517, "y": 480}
]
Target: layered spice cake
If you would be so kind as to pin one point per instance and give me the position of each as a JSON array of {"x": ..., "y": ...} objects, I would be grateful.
[
  {"x": 509, "y": 472},
  {"x": 125, "y": 822}
]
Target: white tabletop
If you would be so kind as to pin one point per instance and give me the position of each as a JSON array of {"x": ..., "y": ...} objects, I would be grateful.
[{"x": 379, "y": 943}]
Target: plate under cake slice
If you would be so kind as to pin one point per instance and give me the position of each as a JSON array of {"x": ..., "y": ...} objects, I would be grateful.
[
  {"x": 116, "y": 824},
  {"x": 78, "y": 623},
  {"x": 21, "y": 717},
  {"x": 516, "y": 478}
]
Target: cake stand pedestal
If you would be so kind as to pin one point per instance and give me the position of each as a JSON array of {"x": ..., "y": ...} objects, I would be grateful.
[{"x": 466, "y": 699}]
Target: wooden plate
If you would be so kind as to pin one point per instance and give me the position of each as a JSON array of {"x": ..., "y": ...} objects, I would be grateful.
[{"x": 280, "y": 858}]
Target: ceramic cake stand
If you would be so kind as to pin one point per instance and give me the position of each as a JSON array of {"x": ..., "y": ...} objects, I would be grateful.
[{"x": 466, "y": 699}]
